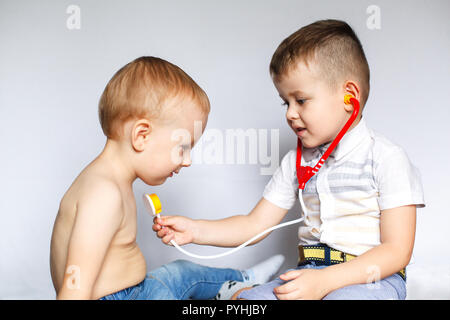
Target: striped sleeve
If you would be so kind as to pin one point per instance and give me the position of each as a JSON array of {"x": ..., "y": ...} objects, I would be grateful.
[{"x": 398, "y": 180}]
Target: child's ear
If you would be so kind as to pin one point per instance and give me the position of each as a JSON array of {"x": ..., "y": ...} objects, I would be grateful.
[
  {"x": 140, "y": 134},
  {"x": 352, "y": 88}
]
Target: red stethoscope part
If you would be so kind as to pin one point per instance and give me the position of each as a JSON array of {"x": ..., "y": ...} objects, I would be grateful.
[{"x": 304, "y": 173}]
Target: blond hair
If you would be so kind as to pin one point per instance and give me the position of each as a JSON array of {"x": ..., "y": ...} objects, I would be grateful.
[
  {"x": 142, "y": 89},
  {"x": 333, "y": 46}
]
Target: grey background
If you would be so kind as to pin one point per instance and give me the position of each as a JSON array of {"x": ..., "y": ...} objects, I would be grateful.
[{"x": 51, "y": 79}]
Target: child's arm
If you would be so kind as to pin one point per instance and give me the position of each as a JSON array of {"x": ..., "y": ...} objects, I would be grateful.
[
  {"x": 397, "y": 233},
  {"x": 98, "y": 218},
  {"x": 228, "y": 232}
]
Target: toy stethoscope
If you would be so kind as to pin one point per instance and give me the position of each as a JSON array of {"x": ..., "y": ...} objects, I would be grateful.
[{"x": 304, "y": 174}]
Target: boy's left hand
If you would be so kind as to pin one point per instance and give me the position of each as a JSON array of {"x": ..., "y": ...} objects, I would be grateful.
[{"x": 308, "y": 284}]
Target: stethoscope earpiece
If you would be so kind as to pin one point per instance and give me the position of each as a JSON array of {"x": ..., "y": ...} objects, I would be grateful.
[{"x": 347, "y": 98}]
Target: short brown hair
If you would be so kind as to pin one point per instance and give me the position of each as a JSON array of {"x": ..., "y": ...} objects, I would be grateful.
[
  {"x": 140, "y": 89},
  {"x": 334, "y": 46}
]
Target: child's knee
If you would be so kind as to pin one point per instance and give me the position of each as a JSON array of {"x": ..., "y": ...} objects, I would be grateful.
[
  {"x": 261, "y": 292},
  {"x": 180, "y": 264},
  {"x": 170, "y": 271},
  {"x": 382, "y": 290},
  {"x": 178, "y": 268},
  {"x": 237, "y": 293}
]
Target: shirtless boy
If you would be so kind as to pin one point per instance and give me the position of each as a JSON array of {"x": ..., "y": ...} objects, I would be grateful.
[
  {"x": 93, "y": 247},
  {"x": 147, "y": 112}
]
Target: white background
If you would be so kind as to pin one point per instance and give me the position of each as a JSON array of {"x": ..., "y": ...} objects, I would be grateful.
[{"x": 51, "y": 79}]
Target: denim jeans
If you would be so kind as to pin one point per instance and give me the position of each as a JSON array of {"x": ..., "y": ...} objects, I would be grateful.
[
  {"x": 179, "y": 280},
  {"x": 390, "y": 288}
]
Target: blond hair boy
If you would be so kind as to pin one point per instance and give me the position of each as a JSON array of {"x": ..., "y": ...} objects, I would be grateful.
[{"x": 147, "y": 112}]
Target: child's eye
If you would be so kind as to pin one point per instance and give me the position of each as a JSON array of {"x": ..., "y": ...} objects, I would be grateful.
[
  {"x": 284, "y": 103},
  {"x": 301, "y": 101}
]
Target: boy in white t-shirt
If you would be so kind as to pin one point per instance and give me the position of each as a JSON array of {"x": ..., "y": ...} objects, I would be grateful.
[{"x": 361, "y": 205}]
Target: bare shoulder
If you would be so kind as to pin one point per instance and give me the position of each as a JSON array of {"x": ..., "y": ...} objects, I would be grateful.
[
  {"x": 101, "y": 195},
  {"x": 92, "y": 191}
]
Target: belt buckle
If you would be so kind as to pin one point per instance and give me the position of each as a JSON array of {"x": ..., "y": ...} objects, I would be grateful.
[{"x": 301, "y": 254}]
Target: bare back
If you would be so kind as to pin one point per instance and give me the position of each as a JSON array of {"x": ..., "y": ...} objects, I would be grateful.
[{"x": 123, "y": 264}]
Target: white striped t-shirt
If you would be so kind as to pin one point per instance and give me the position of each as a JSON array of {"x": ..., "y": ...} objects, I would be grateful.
[{"x": 366, "y": 173}]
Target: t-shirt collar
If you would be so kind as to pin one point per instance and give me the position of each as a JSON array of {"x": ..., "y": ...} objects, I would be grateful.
[{"x": 348, "y": 142}]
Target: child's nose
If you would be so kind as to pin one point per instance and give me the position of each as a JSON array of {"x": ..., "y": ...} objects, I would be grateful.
[{"x": 291, "y": 113}]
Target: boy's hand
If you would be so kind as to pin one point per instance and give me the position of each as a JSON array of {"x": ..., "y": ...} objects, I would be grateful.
[
  {"x": 308, "y": 284},
  {"x": 180, "y": 229}
]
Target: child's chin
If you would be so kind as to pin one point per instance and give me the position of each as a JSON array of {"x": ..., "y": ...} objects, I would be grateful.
[
  {"x": 306, "y": 144},
  {"x": 155, "y": 181},
  {"x": 160, "y": 181},
  {"x": 310, "y": 144}
]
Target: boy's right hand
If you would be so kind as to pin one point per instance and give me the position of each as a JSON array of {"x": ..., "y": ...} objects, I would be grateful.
[{"x": 178, "y": 228}]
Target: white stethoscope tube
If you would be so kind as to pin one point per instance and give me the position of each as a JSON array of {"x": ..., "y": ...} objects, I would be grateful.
[{"x": 281, "y": 225}]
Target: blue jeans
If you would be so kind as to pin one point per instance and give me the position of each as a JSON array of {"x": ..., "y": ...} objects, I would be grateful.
[
  {"x": 179, "y": 280},
  {"x": 393, "y": 287}
]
